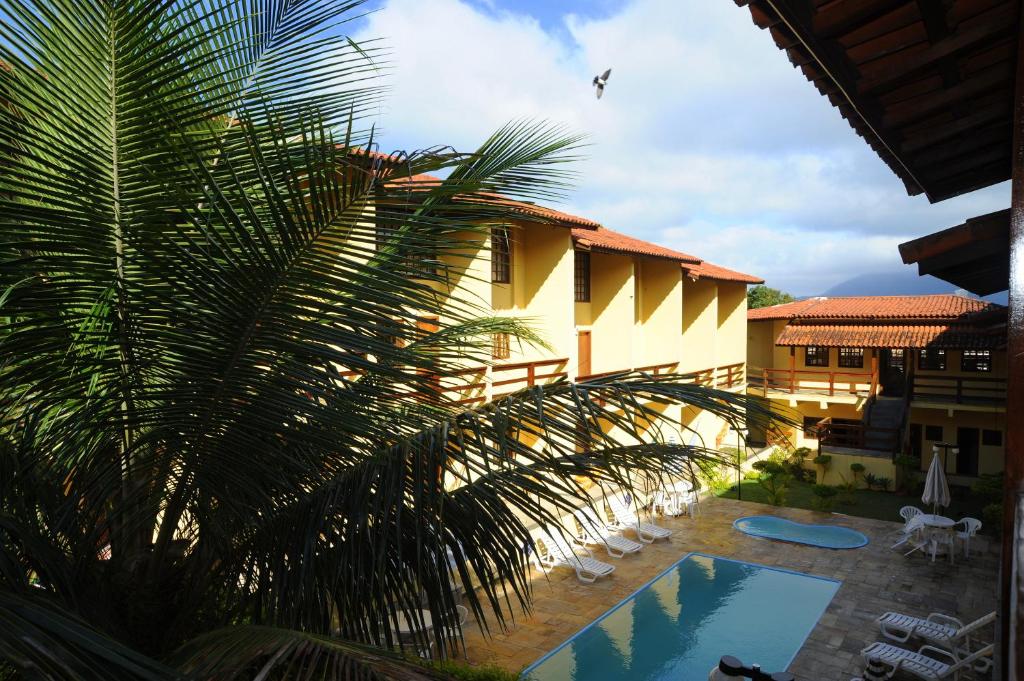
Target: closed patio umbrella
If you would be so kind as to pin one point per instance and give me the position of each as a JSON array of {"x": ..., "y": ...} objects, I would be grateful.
[{"x": 936, "y": 489}]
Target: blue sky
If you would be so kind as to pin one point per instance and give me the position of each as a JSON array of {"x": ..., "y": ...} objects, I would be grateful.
[{"x": 707, "y": 139}]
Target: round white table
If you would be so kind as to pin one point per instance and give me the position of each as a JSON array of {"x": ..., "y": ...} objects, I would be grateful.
[
  {"x": 939, "y": 521},
  {"x": 406, "y": 627}
]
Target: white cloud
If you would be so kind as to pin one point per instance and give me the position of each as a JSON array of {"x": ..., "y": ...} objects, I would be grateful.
[{"x": 706, "y": 136}]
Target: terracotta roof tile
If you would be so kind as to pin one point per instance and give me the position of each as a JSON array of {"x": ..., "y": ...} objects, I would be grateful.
[
  {"x": 604, "y": 239},
  {"x": 892, "y": 336},
  {"x": 707, "y": 270},
  {"x": 426, "y": 182},
  {"x": 944, "y": 307}
]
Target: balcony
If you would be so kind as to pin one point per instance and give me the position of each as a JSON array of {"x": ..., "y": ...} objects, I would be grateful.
[
  {"x": 849, "y": 434},
  {"x": 815, "y": 383},
  {"x": 977, "y": 392}
]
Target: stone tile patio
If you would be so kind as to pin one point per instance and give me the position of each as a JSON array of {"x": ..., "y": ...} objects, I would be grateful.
[{"x": 874, "y": 579}]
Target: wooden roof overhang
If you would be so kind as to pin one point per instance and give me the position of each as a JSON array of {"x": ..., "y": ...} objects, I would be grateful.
[
  {"x": 927, "y": 83},
  {"x": 974, "y": 255}
]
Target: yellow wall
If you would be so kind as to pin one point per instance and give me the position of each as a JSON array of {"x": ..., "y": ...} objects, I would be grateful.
[
  {"x": 660, "y": 311},
  {"x": 732, "y": 323},
  {"x": 700, "y": 325},
  {"x": 990, "y": 458},
  {"x": 612, "y": 312}
]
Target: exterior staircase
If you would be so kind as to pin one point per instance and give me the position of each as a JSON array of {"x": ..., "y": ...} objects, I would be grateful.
[{"x": 883, "y": 421}]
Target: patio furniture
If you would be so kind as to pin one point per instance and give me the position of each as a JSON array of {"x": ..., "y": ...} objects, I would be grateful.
[
  {"x": 971, "y": 527},
  {"x": 941, "y": 631},
  {"x": 678, "y": 499},
  {"x": 557, "y": 552},
  {"x": 911, "y": 528},
  {"x": 923, "y": 663},
  {"x": 936, "y": 532},
  {"x": 627, "y": 518},
  {"x": 595, "y": 532}
]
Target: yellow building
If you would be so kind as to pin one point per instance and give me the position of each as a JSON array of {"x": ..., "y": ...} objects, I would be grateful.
[
  {"x": 604, "y": 303},
  {"x": 878, "y": 376}
]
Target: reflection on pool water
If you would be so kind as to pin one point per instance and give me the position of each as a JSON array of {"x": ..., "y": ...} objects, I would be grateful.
[
  {"x": 679, "y": 625},
  {"x": 825, "y": 536}
]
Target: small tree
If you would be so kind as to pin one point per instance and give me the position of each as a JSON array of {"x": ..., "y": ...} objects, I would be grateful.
[
  {"x": 822, "y": 461},
  {"x": 858, "y": 470},
  {"x": 774, "y": 479},
  {"x": 824, "y": 497},
  {"x": 765, "y": 296}
]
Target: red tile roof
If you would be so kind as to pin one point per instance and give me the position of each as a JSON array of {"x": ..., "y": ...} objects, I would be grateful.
[
  {"x": 707, "y": 270},
  {"x": 944, "y": 307},
  {"x": 893, "y": 336},
  {"x": 426, "y": 182},
  {"x": 604, "y": 239}
]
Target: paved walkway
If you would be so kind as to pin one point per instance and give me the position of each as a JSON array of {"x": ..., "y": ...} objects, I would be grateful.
[{"x": 874, "y": 579}]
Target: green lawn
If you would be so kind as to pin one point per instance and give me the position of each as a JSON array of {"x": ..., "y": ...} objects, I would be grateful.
[{"x": 878, "y": 505}]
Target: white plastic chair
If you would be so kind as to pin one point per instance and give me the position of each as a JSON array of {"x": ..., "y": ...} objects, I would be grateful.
[
  {"x": 971, "y": 527},
  {"x": 594, "y": 531},
  {"x": 941, "y": 631},
  {"x": 911, "y": 525},
  {"x": 554, "y": 551},
  {"x": 924, "y": 663},
  {"x": 626, "y": 518}
]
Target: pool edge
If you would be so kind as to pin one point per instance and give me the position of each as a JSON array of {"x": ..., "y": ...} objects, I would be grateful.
[{"x": 524, "y": 674}]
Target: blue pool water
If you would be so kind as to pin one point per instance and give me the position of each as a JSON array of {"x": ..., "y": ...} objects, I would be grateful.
[
  {"x": 825, "y": 536},
  {"x": 678, "y": 626}
]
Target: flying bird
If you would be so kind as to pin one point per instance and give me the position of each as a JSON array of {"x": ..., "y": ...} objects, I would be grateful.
[{"x": 601, "y": 81}]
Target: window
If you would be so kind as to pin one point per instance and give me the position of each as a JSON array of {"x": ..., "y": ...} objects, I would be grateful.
[
  {"x": 992, "y": 438},
  {"x": 501, "y": 256},
  {"x": 581, "y": 278},
  {"x": 931, "y": 359},
  {"x": 933, "y": 433},
  {"x": 811, "y": 427},
  {"x": 976, "y": 360},
  {"x": 500, "y": 347},
  {"x": 851, "y": 358},
  {"x": 896, "y": 359},
  {"x": 815, "y": 356}
]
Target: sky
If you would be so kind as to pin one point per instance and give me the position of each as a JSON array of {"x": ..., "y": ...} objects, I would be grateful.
[{"x": 707, "y": 140}]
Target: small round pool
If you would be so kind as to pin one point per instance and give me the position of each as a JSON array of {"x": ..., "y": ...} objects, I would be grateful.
[{"x": 825, "y": 536}]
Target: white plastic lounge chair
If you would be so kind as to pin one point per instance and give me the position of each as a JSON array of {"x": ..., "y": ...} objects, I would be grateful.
[
  {"x": 970, "y": 528},
  {"x": 911, "y": 528},
  {"x": 941, "y": 631},
  {"x": 557, "y": 552},
  {"x": 626, "y": 518},
  {"x": 925, "y": 666},
  {"x": 595, "y": 532}
]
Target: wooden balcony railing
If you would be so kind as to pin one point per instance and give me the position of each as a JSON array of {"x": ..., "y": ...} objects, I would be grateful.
[
  {"x": 979, "y": 390},
  {"x": 815, "y": 382},
  {"x": 730, "y": 375},
  {"x": 474, "y": 392},
  {"x": 857, "y": 435},
  {"x": 653, "y": 369},
  {"x": 528, "y": 375}
]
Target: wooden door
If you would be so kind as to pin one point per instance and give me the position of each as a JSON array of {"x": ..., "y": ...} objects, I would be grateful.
[
  {"x": 583, "y": 353},
  {"x": 967, "y": 460}
]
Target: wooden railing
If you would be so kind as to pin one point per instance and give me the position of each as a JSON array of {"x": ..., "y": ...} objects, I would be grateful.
[
  {"x": 857, "y": 435},
  {"x": 979, "y": 390},
  {"x": 730, "y": 375},
  {"x": 861, "y": 383},
  {"x": 653, "y": 369},
  {"x": 473, "y": 392},
  {"x": 530, "y": 374}
]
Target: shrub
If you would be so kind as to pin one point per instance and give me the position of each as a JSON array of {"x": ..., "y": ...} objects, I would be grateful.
[
  {"x": 802, "y": 452},
  {"x": 847, "y": 490},
  {"x": 464, "y": 672},
  {"x": 774, "y": 479},
  {"x": 824, "y": 497},
  {"x": 992, "y": 519},
  {"x": 823, "y": 461},
  {"x": 751, "y": 475},
  {"x": 883, "y": 483}
]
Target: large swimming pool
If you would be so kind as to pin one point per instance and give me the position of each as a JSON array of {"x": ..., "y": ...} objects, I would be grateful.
[{"x": 679, "y": 625}]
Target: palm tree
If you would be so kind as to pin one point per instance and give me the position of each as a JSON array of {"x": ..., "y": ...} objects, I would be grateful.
[{"x": 223, "y": 448}]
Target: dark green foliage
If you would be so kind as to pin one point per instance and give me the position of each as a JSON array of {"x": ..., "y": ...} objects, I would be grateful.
[
  {"x": 825, "y": 496},
  {"x": 774, "y": 478},
  {"x": 223, "y": 445},
  {"x": 764, "y": 296}
]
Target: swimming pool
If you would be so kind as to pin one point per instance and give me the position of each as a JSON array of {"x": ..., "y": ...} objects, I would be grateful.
[
  {"x": 678, "y": 625},
  {"x": 824, "y": 536}
]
